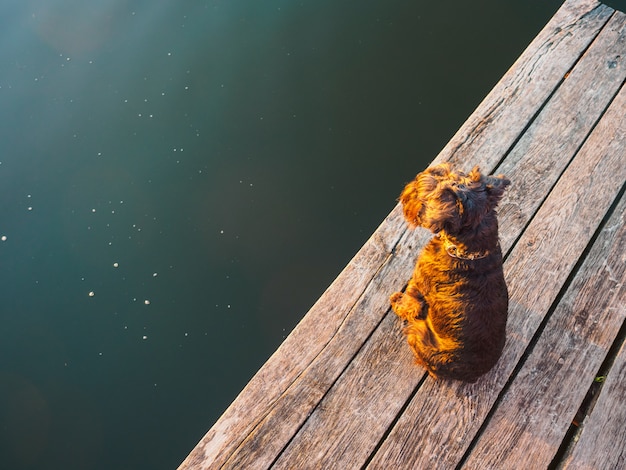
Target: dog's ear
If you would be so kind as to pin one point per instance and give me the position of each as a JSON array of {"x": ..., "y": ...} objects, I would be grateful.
[
  {"x": 411, "y": 204},
  {"x": 495, "y": 186},
  {"x": 475, "y": 175},
  {"x": 417, "y": 192}
]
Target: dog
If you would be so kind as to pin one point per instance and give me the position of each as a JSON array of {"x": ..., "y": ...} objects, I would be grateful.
[{"x": 455, "y": 305}]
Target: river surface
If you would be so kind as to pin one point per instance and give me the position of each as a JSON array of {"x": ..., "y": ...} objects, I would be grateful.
[{"x": 181, "y": 180}]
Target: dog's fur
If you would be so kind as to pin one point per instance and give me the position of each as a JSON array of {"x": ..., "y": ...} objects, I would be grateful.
[{"x": 455, "y": 305}]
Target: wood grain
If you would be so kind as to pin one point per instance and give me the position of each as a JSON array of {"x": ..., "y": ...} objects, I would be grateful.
[
  {"x": 442, "y": 418},
  {"x": 602, "y": 444},
  {"x": 502, "y": 116},
  {"x": 547, "y": 146},
  {"x": 535, "y": 413},
  {"x": 258, "y": 399},
  {"x": 297, "y": 402}
]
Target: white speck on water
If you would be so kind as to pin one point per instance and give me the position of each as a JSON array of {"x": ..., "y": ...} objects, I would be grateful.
[
  {"x": 93, "y": 210},
  {"x": 30, "y": 208},
  {"x": 4, "y": 238},
  {"x": 146, "y": 302},
  {"x": 116, "y": 265},
  {"x": 154, "y": 274},
  {"x": 144, "y": 337},
  {"x": 91, "y": 293}
]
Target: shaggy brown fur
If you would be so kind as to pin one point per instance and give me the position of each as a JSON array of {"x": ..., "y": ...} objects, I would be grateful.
[{"x": 455, "y": 305}]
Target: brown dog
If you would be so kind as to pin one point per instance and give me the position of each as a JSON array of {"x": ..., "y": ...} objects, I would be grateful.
[{"x": 455, "y": 305}]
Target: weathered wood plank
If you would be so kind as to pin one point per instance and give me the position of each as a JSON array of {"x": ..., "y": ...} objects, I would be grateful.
[
  {"x": 345, "y": 428},
  {"x": 296, "y": 403},
  {"x": 298, "y": 351},
  {"x": 534, "y": 194},
  {"x": 251, "y": 422},
  {"x": 602, "y": 444},
  {"x": 442, "y": 418},
  {"x": 535, "y": 413},
  {"x": 506, "y": 111},
  {"x": 535, "y": 163}
]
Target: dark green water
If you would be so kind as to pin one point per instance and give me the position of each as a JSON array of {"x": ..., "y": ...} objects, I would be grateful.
[{"x": 205, "y": 169}]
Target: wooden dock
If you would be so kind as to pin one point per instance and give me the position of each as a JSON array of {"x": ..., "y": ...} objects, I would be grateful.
[{"x": 342, "y": 390}]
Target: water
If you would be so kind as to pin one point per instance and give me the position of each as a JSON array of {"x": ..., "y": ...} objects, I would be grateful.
[{"x": 180, "y": 182}]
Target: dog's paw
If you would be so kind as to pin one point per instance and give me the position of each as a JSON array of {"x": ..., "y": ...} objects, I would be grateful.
[
  {"x": 395, "y": 297},
  {"x": 396, "y": 304},
  {"x": 404, "y": 306}
]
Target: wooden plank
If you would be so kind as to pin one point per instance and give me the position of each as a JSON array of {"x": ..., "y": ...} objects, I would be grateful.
[
  {"x": 535, "y": 163},
  {"x": 250, "y": 423},
  {"x": 443, "y": 417},
  {"x": 602, "y": 444},
  {"x": 269, "y": 390},
  {"x": 296, "y": 403},
  {"x": 536, "y": 411},
  {"x": 506, "y": 111},
  {"x": 346, "y": 426},
  {"x": 534, "y": 194}
]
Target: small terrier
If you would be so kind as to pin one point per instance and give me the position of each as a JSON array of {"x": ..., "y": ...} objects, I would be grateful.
[{"x": 455, "y": 305}]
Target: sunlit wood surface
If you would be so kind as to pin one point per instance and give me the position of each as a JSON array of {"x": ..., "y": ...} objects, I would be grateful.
[{"x": 342, "y": 390}]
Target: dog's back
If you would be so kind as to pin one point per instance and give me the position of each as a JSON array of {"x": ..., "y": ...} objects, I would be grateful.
[
  {"x": 467, "y": 303},
  {"x": 456, "y": 303}
]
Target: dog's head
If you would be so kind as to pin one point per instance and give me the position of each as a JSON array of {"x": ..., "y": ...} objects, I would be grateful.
[{"x": 442, "y": 199}]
